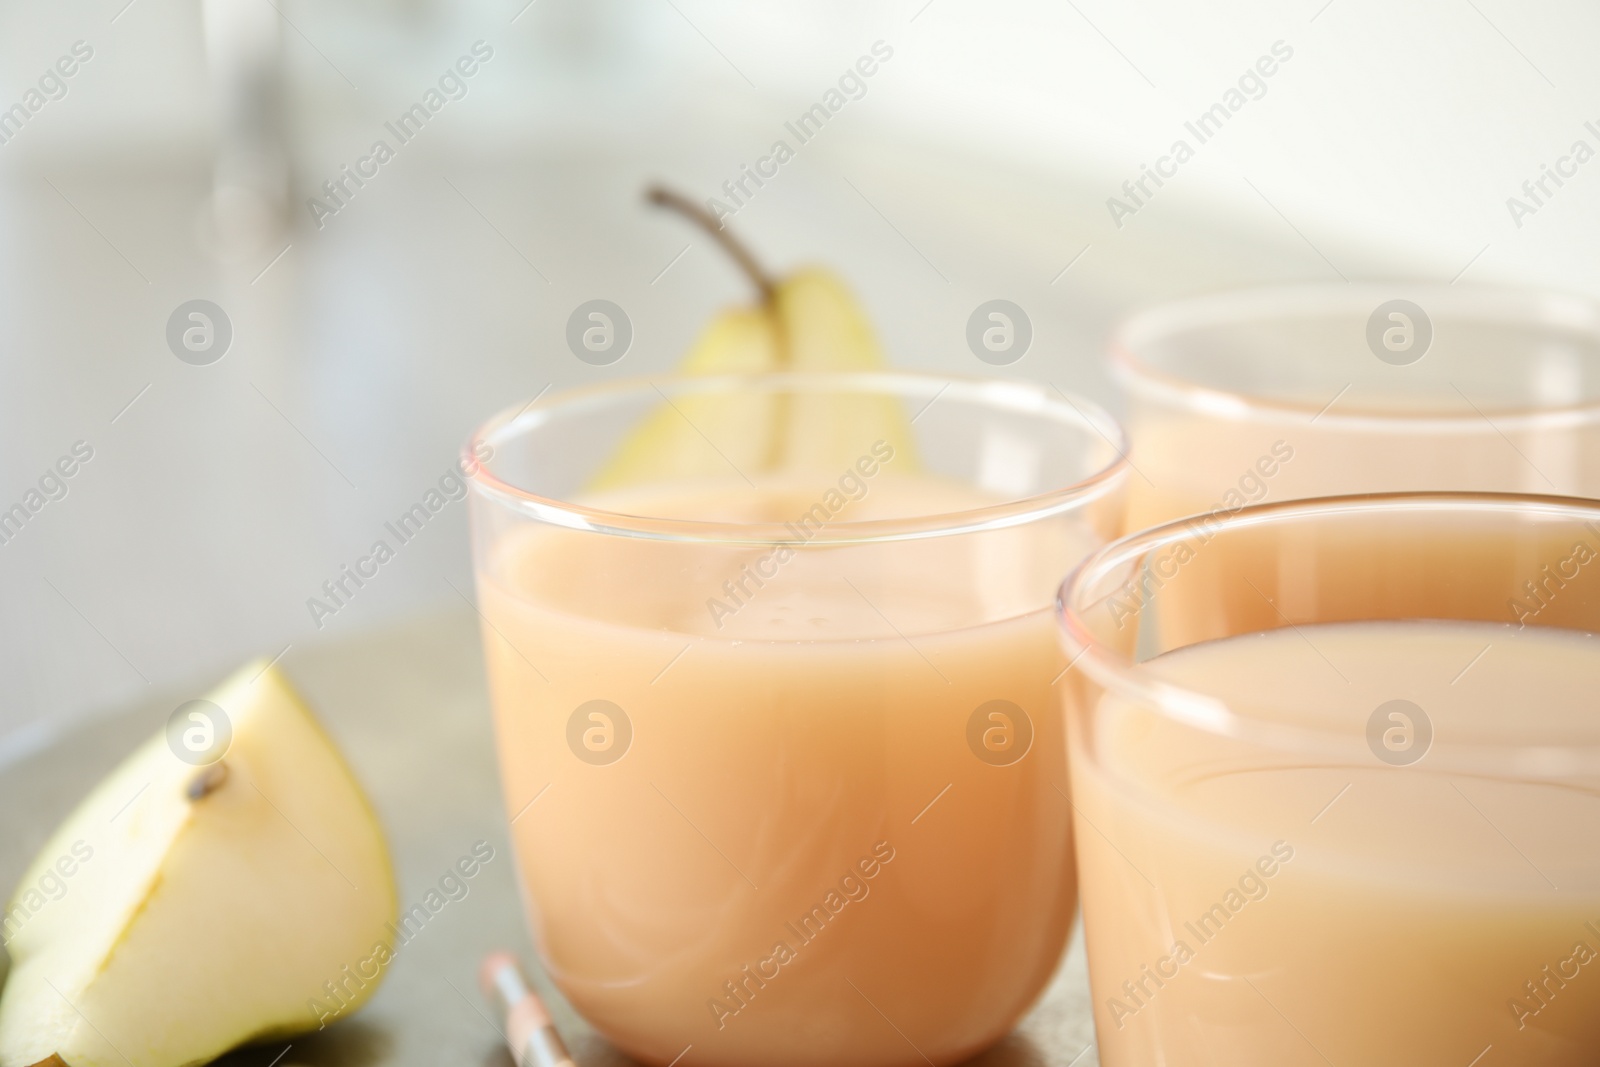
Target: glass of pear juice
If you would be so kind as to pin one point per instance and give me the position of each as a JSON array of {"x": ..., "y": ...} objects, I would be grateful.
[
  {"x": 1287, "y": 393},
  {"x": 771, "y": 659},
  {"x": 1348, "y": 811}
]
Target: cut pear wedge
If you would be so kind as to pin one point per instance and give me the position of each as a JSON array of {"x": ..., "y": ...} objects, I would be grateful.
[
  {"x": 809, "y": 323},
  {"x": 207, "y": 905}
]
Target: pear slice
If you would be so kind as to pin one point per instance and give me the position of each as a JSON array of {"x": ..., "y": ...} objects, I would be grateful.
[
  {"x": 207, "y": 906},
  {"x": 808, "y": 322}
]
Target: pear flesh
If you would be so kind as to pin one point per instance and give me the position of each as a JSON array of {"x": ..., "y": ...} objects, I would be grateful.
[{"x": 208, "y": 905}]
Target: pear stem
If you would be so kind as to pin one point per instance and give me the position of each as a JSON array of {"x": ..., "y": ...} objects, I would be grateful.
[{"x": 672, "y": 200}]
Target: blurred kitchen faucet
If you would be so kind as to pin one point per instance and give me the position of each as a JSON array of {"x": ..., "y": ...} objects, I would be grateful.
[{"x": 248, "y": 210}]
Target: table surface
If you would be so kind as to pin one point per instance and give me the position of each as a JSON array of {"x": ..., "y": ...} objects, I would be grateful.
[{"x": 409, "y": 708}]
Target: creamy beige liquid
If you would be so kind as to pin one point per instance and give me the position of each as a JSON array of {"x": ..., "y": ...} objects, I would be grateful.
[
  {"x": 1268, "y": 908},
  {"x": 1208, "y": 463},
  {"x": 799, "y": 775}
]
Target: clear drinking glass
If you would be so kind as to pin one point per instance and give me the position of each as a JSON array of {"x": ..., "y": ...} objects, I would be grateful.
[
  {"x": 1350, "y": 811},
  {"x": 1287, "y": 393},
  {"x": 771, "y": 662}
]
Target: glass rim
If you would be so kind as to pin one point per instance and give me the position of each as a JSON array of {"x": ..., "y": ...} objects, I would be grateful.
[
  {"x": 1115, "y": 671},
  {"x": 999, "y": 393},
  {"x": 1531, "y": 305}
]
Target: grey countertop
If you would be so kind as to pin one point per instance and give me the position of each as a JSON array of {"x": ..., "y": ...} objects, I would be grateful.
[{"x": 409, "y": 708}]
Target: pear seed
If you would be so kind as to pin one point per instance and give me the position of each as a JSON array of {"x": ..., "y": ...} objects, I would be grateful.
[{"x": 208, "y": 781}]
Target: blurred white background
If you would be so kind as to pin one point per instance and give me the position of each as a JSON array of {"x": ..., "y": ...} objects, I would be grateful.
[{"x": 977, "y": 164}]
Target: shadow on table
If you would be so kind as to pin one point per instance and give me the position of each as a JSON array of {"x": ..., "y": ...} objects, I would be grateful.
[
  {"x": 1016, "y": 1050},
  {"x": 350, "y": 1044}
]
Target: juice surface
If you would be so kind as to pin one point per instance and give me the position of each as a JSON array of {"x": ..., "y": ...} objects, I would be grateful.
[
  {"x": 1258, "y": 906},
  {"x": 799, "y": 856}
]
